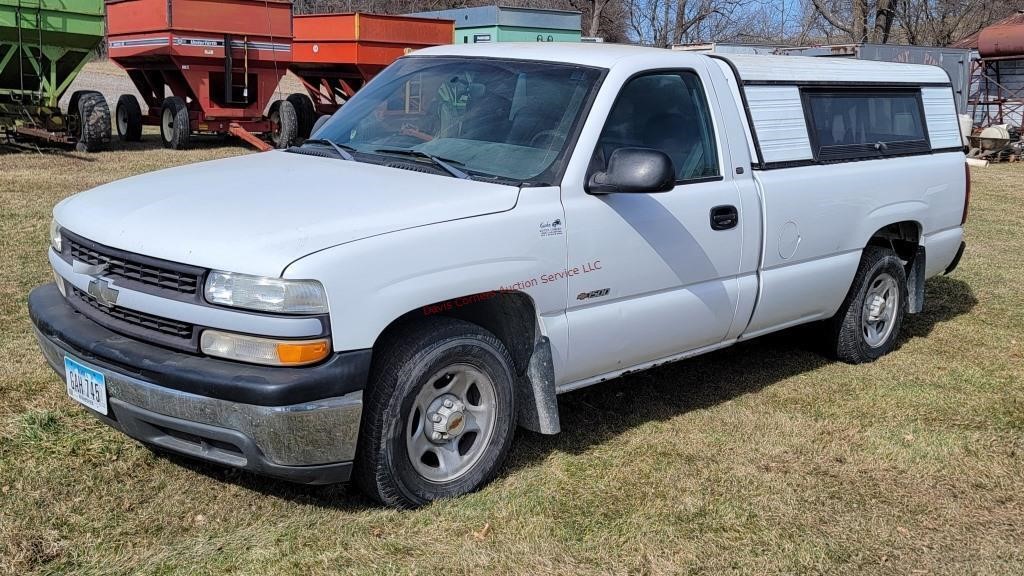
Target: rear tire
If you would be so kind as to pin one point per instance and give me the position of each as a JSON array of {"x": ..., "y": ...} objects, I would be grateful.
[
  {"x": 175, "y": 125},
  {"x": 129, "y": 118},
  {"x": 94, "y": 122},
  {"x": 867, "y": 325},
  {"x": 285, "y": 124},
  {"x": 443, "y": 374},
  {"x": 305, "y": 112}
]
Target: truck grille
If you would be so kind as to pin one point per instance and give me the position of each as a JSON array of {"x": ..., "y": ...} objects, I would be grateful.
[
  {"x": 140, "y": 325},
  {"x": 151, "y": 272}
]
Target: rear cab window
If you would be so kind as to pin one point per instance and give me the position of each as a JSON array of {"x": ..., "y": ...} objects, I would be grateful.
[{"x": 854, "y": 124}]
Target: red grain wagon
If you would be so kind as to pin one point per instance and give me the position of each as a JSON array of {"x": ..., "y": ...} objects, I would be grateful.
[
  {"x": 336, "y": 54},
  {"x": 203, "y": 66}
]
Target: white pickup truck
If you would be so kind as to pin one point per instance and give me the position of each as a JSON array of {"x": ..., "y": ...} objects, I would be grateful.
[{"x": 482, "y": 228}]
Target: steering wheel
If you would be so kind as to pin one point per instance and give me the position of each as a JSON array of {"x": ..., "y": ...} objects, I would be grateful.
[{"x": 540, "y": 136}]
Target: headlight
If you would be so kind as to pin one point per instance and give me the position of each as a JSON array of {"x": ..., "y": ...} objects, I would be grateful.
[
  {"x": 55, "y": 235},
  {"x": 263, "y": 350},
  {"x": 266, "y": 294}
]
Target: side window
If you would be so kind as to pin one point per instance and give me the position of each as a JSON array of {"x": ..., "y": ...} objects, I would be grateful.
[
  {"x": 666, "y": 111},
  {"x": 864, "y": 124}
]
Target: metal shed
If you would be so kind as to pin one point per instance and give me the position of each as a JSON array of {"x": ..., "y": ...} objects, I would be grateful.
[{"x": 506, "y": 24}]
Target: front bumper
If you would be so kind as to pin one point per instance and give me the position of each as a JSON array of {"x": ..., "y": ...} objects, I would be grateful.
[{"x": 223, "y": 412}]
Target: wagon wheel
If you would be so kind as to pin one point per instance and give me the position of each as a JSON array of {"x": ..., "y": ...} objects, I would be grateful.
[
  {"x": 305, "y": 111},
  {"x": 284, "y": 124},
  {"x": 128, "y": 115},
  {"x": 175, "y": 126},
  {"x": 94, "y": 122},
  {"x": 73, "y": 115}
]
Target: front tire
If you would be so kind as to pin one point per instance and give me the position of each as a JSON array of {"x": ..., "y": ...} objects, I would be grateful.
[
  {"x": 867, "y": 325},
  {"x": 439, "y": 416}
]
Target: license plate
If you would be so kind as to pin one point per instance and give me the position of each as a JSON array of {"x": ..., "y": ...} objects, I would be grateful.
[{"x": 86, "y": 385}]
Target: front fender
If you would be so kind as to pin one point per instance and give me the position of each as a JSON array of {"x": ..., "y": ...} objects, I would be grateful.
[{"x": 372, "y": 282}]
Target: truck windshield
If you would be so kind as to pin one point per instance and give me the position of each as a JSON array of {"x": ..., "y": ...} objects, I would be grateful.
[{"x": 505, "y": 119}]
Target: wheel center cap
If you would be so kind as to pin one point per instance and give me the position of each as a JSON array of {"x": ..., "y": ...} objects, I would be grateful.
[
  {"x": 877, "y": 307},
  {"x": 446, "y": 419}
]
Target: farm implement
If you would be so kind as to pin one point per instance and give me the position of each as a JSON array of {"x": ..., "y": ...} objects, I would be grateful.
[
  {"x": 43, "y": 46},
  {"x": 203, "y": 67},
  {"x": 336, "y": 54}
]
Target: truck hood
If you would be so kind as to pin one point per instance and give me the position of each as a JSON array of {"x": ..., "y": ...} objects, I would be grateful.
[{"x": 258, "y": 213}]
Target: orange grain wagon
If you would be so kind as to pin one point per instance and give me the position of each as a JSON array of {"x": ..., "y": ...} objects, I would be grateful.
[
  {"x": 203, "y": 66},
  {"x": 336, "y": 54}
]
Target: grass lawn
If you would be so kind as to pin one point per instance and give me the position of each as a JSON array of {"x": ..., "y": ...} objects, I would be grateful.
[{"x": 763, "y": 458}]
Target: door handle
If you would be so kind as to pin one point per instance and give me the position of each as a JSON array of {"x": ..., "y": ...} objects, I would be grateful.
[{"x": 724, "y": 217}]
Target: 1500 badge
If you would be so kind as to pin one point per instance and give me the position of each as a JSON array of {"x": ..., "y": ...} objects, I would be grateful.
[{"x": 593, "y": 294}]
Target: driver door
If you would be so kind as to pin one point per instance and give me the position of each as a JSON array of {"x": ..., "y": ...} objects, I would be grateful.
[{"x": 667, "y": 281}]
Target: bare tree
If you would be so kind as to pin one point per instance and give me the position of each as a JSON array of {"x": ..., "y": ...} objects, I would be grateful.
[
  {"x": 923, "y": 22},
  {"x": 594, "y": 9},
  {"x": 668, "y": 22},
  {"x": 850, "y": 17},
  {"x": 884, "y": 14},
  {"x": 942, "y": 22}
]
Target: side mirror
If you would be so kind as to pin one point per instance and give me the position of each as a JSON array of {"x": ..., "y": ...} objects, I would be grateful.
[{"x": 634, "y": 170}]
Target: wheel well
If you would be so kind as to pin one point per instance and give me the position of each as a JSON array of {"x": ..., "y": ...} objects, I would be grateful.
[
  {"x": 904, "y": 238},
  {"x": 510, "y": 316}
]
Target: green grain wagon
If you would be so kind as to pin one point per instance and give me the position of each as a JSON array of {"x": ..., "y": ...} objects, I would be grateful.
[{"x": 43, "y": 46}]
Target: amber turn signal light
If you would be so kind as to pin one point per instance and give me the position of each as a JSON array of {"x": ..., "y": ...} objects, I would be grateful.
[
  {"x": 256, "y": 350},
  {"x": 302, "y": 352}
]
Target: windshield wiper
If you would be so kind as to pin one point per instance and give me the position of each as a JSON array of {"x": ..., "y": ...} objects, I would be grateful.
[
  {"x": 444, "y": 163},
  {"x": 341, "y": 149}
]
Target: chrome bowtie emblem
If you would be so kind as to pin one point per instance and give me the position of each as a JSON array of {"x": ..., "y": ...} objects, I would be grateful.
[{"x": 101, "y": 290}]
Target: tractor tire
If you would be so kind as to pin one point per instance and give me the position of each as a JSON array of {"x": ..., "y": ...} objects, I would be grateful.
[
  {"x": 94, "y": 122},
  {"x": 75, "y": 97},
  {"x": 285, "y": 123},
  {"x": 175, "y": 125},
  {"x": 129, "y": 118},
  {"x": 74, "y": 125},
  {"x": 305, "y": 112}
]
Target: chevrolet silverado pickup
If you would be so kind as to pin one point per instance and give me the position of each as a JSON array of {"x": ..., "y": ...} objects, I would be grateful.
[{"x": 482, "y": 228}]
